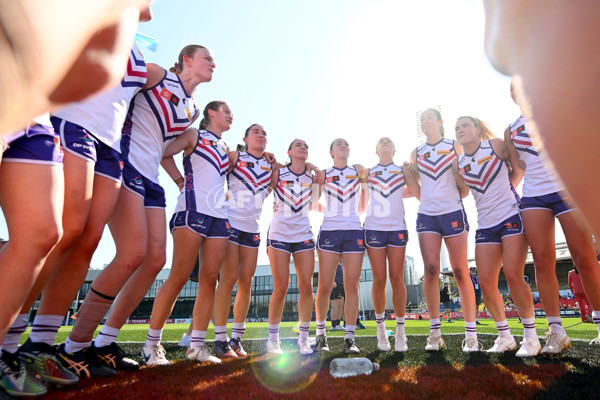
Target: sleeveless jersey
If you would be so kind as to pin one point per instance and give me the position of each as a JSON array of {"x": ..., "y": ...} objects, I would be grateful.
[
  {"x": 385, "y": 211},
  {"x": 204, "y": 171},
  {"x": 293, "y": 195},
  {"x": 156, "y": 116},
  {"x": 486, "y": 174},
  {"x": 538, "y": 180},
  {"x": 342, "y": 191},
  {"x": 103, "y": 115},
  {"x": 247, "y": 190},
  {"x": 439, "y": 193}
]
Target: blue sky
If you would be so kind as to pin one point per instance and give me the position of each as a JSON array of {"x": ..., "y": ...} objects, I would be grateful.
[{"x": 318, "y": 70}]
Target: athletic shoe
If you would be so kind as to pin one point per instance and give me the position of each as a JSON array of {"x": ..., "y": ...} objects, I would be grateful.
[
  {"x": 201, "y": 353},
  {"x": 296, "y": 329},
  {"x": 274, "y": 347},
  {"x": 85, "y": 363},
  {"x": 185, "y": 341},
  {"x": 337, "y": 328},
  {"x": 321, "y": 343},
  {"x": 470, "y": 344},
  {"x": 479, "y": 323},
  {"x": 304, "y": 347},
  {"x": 435, "y": 343},
  {"x": 154, "y": 355},
  {"x": 16, "y": 380},
  {"x": 43, "y": 359},
  {"x": 383, "y": 343},
  {"x": 222, "y": 349},
  {"x": 236, "y": 345},
  {"x": 113, "y": 357},
  {"x": 596, "y": 341},
  {"x": 502, "y": 344},
  {"x": 359, "y": 325},
  {"x": 530, "y": 347},
  {"x": 449, "y": 320},
  {"x": 400, "y": 344},
  {"x": 350, "y": 347},
  {"x": 556, "y": 343}
]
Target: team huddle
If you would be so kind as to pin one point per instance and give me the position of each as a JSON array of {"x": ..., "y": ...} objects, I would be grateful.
[{"x": 96, "y": 163}]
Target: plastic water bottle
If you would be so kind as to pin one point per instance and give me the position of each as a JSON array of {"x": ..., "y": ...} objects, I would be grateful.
[
  {"x": 345, "y": 367},
  {"x": 146, "y": 41}
]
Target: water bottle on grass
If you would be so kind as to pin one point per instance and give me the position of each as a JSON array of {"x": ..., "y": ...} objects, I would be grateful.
[{"x": 345, "y": 367}]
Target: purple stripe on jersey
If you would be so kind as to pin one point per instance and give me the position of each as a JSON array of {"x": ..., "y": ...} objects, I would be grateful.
[{"x": 188, "y": 188}]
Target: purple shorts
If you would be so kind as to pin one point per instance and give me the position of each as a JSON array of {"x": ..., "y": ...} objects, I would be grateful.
[
  {"x": 382, "y": 239},
  {"x": 291, "y": 248},
  {"x": 152, "y": 193},
  {"x": 245, "y": 239},
  {"x": 511, "y": 226},
  {"x": 340, "y": 242},
  {"x": 445, "y": 225},
  {"x": 81, "y": 143},
  {"x": 37, "y": 144},
  {"x": 204, "y": 225},
  {"x": 553, "y": 202}
]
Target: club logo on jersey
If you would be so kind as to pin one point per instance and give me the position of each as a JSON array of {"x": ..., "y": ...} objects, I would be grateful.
[
  {"x": 265, "y": 168},
  {"x": 465, "y": 169},
  {"x": 512, "y": 225},
  {"x": 373, "y": 237},
  {"x": 485, "y": 159},
  {"x": 444, "y": 152},
  {"x": 360, "y": 242},
  {"x": 424, "y": 156},
  {"x": 137, "y": 180},
  {"x": 333, "y": 179},
  {"x": 246, "y": 164},
  {"x": 256, "y": 238},
  {"x": 87, "y": 138},
  {"x": 121, "y": 165},
  {"x": 308, "y": 241},
  {"x": 285, "y": 184},
  {"x": 306, "y": 185},
  {"x": 208, "y": 142},
  {"x": 57, "y": 142},
  {"x": 376, "y": 173},
  {"x": 326, "y": 241},
  {"x": 517, "y": 131},
  {"x": 167, "y": 94},
  {"x": 200, "y": 220},
  {"x": 456, "y": 224},
  {"x": 401, "y": 236},
  {"x": 351, "y": 177},
  {"x": 227, "y": 226}
]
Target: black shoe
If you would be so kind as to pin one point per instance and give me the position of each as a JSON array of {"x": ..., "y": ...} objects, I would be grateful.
[
  {"x": 321, "y": 343},
  {"x": 85, "y": 363},
  {"x": 113, "y": 357},
  {"x": 236, "y": 345},
  {"x": 477, "y": 322},
  {"x": 222, "y": 349},
  {"x": 449, "y": 320},
  {"x": 350, "y": 347},
  {"x": 16, "y": 380},
  {"x": 44, "y": 360}
]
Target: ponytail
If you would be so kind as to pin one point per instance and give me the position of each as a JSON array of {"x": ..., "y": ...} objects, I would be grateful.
[
  {"x": 213, "y": 105},
  {"x": 188, "y": 51},
  {"x": 485, "y": 133}
]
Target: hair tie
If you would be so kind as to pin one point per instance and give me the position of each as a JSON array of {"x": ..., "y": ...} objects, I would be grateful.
[{"x": 178, "y": 66}]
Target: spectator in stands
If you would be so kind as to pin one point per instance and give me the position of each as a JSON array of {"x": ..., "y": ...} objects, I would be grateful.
[
  {"x": 446, "y": 300},
  {"x": 475, "y": 281}
]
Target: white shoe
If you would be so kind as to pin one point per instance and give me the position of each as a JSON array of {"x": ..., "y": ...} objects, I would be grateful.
[
  {"x": 304, "y": 346},
  {"x": 400, "y": 344},
  {"x": 154, "y": 355},
  {"x": 470, "y": 344},
  {"x": 502, "y": 344},
  {"x": 273, "y": 347},
  {"x": 383, "y": 343},
  {"x": 530, "y": 347},
  {"x": 337, "y": 328},
  {"x": 556, "y": 343},
  {"x": 201, "y": 354},
  {"x": 435, "y": 343},
  {"x": 185, "y": 340},
  {"x": 596, "y": 341}
]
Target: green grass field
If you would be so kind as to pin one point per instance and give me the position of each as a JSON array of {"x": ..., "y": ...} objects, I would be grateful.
[{"x": 414, "y": 374}]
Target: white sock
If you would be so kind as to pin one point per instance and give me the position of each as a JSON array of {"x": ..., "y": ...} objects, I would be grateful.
[
  {"x": 274, "y": 332},
  {"x": 380, "y": 320},
  {"x": 435, "y": 327},
  {"x": 304, "y": 328},
  {"x": 320, "y": 328},
  {"x": 153, "y": 338},
  {"x": 72, "y": 346},
  {"x": 45, "y": 328},
  {"x": 400, "y": 326},
  {"x": 504, "y": 330},
  {"x": 237, "y": 330},
  {"x": 221, "y": 333},
  {"x": 197, "y": 339},
  {"x": 529, "y": 327},
  {"x": 555, "y": 325},
  {"x": 350, "y": 331},
  {"x": 596, "y": 318},
  {"x": 470, "y": 328},
  {"x": 11, "y": 340},
  {"x": 106, "y": 336}
]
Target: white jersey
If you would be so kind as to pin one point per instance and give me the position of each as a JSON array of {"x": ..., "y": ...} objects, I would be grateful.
[
  {"x": 439, "y": 191},
  {"x": 247, "y": 190},
  {"x": 204, "y": 170},
  {"x": 538, "y": 180},
  {"x": 103, "y": 115},
  {"x": 342, "y": 191},
  {"x": 157, "y": 115},
  {"x": 486, "y": 174},
  {"x": 385, "y": 211},
  {"x": 293, "y": 195}
]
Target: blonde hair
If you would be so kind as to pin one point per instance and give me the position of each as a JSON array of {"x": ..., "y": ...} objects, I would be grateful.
[
  {"x": 485, "y": 133},
  {"x": 189, "y": 51}
]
